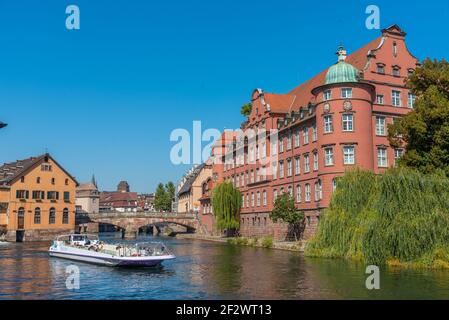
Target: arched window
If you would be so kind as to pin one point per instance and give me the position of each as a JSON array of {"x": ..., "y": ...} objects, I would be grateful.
[
  {"x": 65, "y": 216},
  {"x": 37, "y": 216},
  {"x": 52, "y": 216}
]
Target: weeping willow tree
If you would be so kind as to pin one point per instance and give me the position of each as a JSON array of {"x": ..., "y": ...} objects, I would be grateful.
[
  {"x": 226, "y": 204},
  {"x": 397, "y": 218}
]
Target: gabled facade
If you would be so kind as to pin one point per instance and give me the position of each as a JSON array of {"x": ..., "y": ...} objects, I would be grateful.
[
  {"x": 37, "y": 199},
  {"x": 332, "y": 123}
]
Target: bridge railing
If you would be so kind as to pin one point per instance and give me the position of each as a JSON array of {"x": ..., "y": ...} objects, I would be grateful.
[{"x": 139, "y": 214}]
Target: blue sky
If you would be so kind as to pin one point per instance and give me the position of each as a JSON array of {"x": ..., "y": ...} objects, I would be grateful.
[{"x": 104, "y": 99}]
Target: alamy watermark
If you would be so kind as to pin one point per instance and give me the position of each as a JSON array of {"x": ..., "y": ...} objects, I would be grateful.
[
  {"x": 72, "y": 22},
  {"x": 73, "y": 279},
  {"x": 373, "y": 280},
  {"x": 373, "y": 20},
  {"x": 232, "y": 147}
]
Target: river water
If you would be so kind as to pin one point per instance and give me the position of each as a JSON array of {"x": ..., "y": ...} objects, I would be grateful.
[{"x": 207, "y": 270}]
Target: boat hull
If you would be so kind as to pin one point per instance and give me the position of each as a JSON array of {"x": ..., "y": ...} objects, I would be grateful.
[{"x": 111, "y": 261}]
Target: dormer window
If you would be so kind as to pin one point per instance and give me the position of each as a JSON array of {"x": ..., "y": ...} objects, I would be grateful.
[
  {"x": 396, "y": 71},
  {"x": 381, "y": 68},
  {"x": 410, "y": 71},
  {"x": 327, "y": 95}
]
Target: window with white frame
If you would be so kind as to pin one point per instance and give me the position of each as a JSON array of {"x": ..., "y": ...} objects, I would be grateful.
[
  {"x": 305, "y": 134},
  {"x": 281, "y": 145},
  {"x": 306, "y": 163},
  {"x": 281, "y": 169},
  {"x": 334, "y": 184},
  {"x": 381, "y": 68},
  {"x": 327, "y": 95},
  {"x": 315, "y": 160},
  {"x": 252, "y": 199},
  {"x": 274, "y": 147},
  {"x": 396, "y": 98},
  {"x": 380, "y": 126},
  {"x": 318, "y": 191},
  {"x": 258, "y": 198},
  {"x": 274, "y": 168},
  {"x": 314, "y": 133},
  {"x": 348, "y": 155},
  {"x": 328, "y": 127},
  {"x": 289, "y": 141},
  {"x": 307, "y": 192},
  {"x": 298, "y": 193},
  {"x": 346, "y": 93},
  {"x": 275, "y": 195},
  {"x": 411, "y": 100},
  {"x": 347, "y": 122},
  {"x": 380, "y": 99},
  {"x": 251, "y": 176},
  {"x": 297, "y": 165},
  {"x": 290, "y": 191},
  {"x": 396, "y": 71},
  {"x": 398, "y": 153},
  {"x": 297, "y": 138},
  {"x": 289, "y": 168},
  {"x": 257, "y": 175},
  {"x": 264, "y": 198},
  {"x": 382, "y": 160},
  {"x": 247, "y": 200},
  {"x": 329, "y": 156}
]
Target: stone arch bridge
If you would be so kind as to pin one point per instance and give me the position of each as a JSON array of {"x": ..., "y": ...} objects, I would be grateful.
[{"x": 131, "y": 222}]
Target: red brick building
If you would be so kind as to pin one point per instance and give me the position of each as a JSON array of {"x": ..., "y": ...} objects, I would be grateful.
[{"x": 334, "y": 122}]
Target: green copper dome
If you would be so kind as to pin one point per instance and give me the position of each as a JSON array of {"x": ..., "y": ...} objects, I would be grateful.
[{"x": 342, "y": 71}]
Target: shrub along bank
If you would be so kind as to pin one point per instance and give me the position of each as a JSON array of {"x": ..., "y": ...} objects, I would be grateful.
[{"x": 399, "y": 218}]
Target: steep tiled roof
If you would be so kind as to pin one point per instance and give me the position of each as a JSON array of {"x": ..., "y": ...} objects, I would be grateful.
[
  {"x": 11, "y": 171},
  {"x": 279, "y": 102},
  {"x": 190, "y": 180},
  {"x": 302, "y": 95}
]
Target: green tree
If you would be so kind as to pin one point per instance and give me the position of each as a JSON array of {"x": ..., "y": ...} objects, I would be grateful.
[
  {"x": 226, "y": 204},
  {"x": 425, "y": 130},
  {"x": 245, "y": 110},
  {"x": 170, "y": 196},
  {"x": 170, "y": 187},
  {"x": 160, "y": 198},
  {"x": 284, "y": 210}
]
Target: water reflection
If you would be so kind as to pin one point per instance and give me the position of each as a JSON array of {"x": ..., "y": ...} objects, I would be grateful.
[{"x": 208, "y": 270}]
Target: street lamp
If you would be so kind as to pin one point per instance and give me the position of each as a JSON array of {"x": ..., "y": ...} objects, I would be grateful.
[{"x": 2, "y": 125}]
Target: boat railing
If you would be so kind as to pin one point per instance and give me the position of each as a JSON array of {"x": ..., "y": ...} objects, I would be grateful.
[{"x": 143, "y": 249}]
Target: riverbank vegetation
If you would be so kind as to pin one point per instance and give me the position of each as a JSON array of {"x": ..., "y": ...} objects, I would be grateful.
[
  {"x": 285, "y": 211},
  {"x": 400, "y": 218},
  {"x": 226, "y": 204}
]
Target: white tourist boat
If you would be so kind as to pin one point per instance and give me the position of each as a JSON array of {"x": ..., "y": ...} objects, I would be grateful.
[{"x": 88, "y": 248}]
